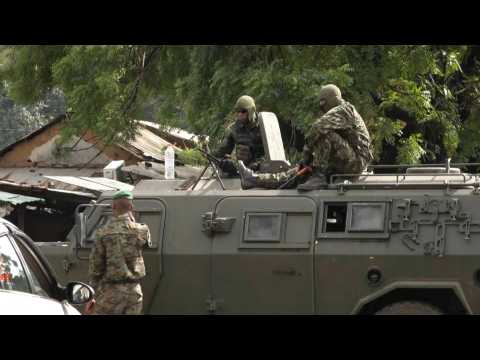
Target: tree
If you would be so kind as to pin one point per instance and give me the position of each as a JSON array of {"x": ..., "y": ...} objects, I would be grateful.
[
  {"x": 17, "y": 121},
  {"x": 419, "y": 102}
]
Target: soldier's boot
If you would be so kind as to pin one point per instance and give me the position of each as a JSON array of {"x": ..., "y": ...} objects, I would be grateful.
[
  {"x": 247, "y": 177},
  {"x": 317, "y": 181}
]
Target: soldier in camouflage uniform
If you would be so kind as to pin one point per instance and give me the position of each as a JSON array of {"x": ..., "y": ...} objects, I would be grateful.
[
  {"x": 116, "y": 261},
  {"x": 244, "y": 136},
  {"x": 338, "y": 142}
]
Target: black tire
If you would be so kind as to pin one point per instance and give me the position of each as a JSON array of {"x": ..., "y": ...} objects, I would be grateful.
[{"x": 409, "y": 308}]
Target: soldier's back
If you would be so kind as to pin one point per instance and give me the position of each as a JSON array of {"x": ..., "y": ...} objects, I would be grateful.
[{"x": 123, "y": 241}]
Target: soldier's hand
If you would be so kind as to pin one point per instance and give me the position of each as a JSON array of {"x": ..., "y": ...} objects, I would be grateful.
[
  {"x": 307, "y": 157},
  {"x": 303, "y": 163},
  {"x": 227, "y": 165}
]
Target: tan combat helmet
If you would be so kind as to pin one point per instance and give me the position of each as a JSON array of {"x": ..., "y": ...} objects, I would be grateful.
[
  {"x": 330, "y": 96},
  {"x": 246, "y": 102}
]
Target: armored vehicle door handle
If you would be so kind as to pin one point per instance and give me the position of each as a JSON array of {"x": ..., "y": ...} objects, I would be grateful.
[{"x": 212, "y": 225}]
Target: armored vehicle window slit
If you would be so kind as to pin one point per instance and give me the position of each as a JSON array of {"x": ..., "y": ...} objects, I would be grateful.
[
  {"x": 336, "y": 217},
  {"x": 263, "y": 227},
  {"x": 101, "y": 223},
  {"x": 366, "y": 217},
  {"x": 353, "y": 220},
  {"x": 148, "y": 211}
]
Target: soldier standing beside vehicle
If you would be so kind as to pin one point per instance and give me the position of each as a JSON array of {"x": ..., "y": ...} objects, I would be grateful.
[
  {"x": 116, "y": 261},
  {"x": 338, "y": 142},
  {"x": 244, "y": 136}
]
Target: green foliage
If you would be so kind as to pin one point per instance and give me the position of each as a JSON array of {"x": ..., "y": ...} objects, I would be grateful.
[
  {"x": 97, "y": 85},
  {"x": 410, "y": 150},
  {"x": 470, "y": 135},
  {"x": 385, "y": 130},
  {"x": 17, "y": 121},
  {"x": 411, "y": 97},
  {"x": 28, "y": 70},
  {"x": 402, "y": 91},
  {"x": 191, "y": 157}
]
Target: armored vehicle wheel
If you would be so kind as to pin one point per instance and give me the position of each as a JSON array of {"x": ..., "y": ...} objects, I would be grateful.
[{"x": 409, "y": 308}]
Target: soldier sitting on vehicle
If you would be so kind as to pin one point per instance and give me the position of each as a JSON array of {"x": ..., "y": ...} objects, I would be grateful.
[
  {"x": 338, "y": 142},
  {"x": 244, "y": 135}
]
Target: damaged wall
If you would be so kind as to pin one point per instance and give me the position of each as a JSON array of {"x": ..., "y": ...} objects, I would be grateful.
[
  {"x": 20, "y": 153},
  {"x": 40, "y": 149},
  {"x": 48, "y": 154}
]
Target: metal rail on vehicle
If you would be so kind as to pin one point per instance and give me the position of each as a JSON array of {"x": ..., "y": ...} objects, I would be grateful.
[
  {"x": 404, "y": 176},
  {"x": 447, "y": 165}
]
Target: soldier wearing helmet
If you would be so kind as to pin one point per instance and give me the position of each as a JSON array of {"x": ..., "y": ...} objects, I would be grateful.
[
  {"x": 337, "y": 143},
  {"x": 244, "y": 136}
]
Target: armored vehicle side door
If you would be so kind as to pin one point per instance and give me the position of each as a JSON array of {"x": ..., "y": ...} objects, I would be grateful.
[{"x": 262, "y": 257}]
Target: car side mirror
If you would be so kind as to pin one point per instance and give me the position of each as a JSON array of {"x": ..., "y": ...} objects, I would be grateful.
[{"x": 79, "y": 293}]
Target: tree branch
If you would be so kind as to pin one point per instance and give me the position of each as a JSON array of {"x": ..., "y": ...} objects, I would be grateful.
[{"x": 145, "y": 62}]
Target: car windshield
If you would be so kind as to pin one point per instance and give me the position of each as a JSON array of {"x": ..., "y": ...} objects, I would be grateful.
[{"x": 12, "y": 272}]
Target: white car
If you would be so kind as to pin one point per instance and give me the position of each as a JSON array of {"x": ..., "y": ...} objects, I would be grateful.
[{"x": 27, "y": 283}]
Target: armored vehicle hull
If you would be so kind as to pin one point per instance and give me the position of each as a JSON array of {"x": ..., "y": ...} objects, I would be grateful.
[{"x": 382, "y": 244}]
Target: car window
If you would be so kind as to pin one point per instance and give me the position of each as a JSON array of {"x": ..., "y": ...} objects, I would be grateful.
[
  {"x": 40, "y": 282},
  {"x": 12, "y": 272}
]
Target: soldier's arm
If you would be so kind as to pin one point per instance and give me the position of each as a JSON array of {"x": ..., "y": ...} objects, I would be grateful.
[
  {"x": 307, "y": 159},
  {"x": 226, "y": 147},
  {"x": 97, "y": 261}
]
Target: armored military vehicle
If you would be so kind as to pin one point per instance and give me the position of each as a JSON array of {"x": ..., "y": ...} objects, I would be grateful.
[{"x": 383, "y": 243}]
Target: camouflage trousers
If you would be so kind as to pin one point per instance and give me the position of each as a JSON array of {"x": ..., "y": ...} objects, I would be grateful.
[
  {"x": 119, "y": 299},
  {"x": 332, "y": 154}
]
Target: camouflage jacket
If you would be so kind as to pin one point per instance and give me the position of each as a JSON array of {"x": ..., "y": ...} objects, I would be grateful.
[
  {"x": 246, "y": 138},
  {"x": 346, "y": 121},
  {"x": 117, "y": 254}
]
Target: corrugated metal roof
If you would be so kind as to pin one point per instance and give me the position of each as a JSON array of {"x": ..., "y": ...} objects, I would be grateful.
[
  {"x": 94, "y": 184},
  {"x": 176, "y": 132},
  {"x": 157, "y": 171},
  {"x": 146, "y": 142},
  {"x": 36, "y": 176},
  {"x": 80, "y": 182},
  {"x": 42, "y": 191},
  {"x": 149, "y": 144},
  {"x": 113, "y": 184},
  {"x": 15, "y": 199}
]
